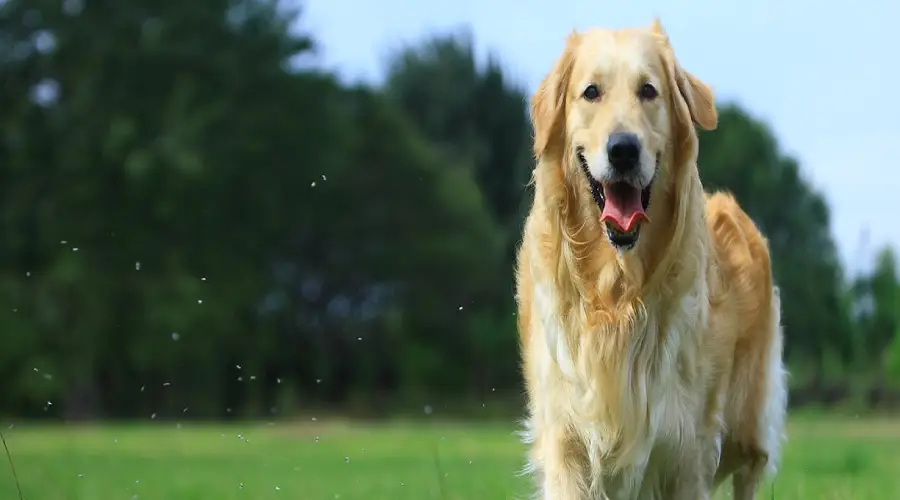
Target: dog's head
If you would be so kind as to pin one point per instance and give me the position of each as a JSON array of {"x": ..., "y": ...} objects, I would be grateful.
[{"x": 614, "y": 109}]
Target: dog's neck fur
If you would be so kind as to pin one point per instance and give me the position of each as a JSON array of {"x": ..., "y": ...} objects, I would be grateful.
[{"x": 625, "y": 352}]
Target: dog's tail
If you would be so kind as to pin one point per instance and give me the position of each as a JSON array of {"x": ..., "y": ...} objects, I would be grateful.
[{"x": 773, "y": 420}]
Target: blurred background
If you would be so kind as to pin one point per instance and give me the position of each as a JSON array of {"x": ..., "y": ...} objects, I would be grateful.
[{"x": 258, "y": 249}]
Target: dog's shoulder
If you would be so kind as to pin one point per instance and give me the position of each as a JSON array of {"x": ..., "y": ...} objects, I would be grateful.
[
  {"x": 741, "y": 253},
  {"x": 735, "y": 235}
]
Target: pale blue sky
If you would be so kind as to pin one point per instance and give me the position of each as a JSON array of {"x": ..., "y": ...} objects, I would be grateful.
[{"x": 820, "y": 73}]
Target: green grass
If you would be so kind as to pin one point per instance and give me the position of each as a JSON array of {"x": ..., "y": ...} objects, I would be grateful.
[{"x": 828, "y": 458}]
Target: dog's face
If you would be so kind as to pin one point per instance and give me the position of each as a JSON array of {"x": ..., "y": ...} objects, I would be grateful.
[{"x": 611, "y": 107}]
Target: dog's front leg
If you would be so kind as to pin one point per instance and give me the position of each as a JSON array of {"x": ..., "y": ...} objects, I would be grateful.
[
  {"x": 696, "y": 471},
  {"x": 561, "y": 458}
]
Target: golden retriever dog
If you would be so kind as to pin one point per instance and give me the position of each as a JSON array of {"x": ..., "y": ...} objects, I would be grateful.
[{"x": 649, "y": 323}]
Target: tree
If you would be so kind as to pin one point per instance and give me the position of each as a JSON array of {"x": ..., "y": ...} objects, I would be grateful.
[
  {"x": 474, "y": 113},
  {"x": 122, "y": 184},
  {"x": 188, "y": 220},
  {"x": 417, "y": 243},
  {"x": 877, "y": 301}
]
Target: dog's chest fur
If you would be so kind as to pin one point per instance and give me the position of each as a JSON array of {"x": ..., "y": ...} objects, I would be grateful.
[{"x": 657, "y": 389}]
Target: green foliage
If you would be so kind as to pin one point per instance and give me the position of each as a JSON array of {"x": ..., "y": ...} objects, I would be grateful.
[
  {"x": 187, "y": 203},
  {"x": 471, "y": 112},
  {"x": 878, "y": 314},
  {"x": 892, "y": 355}
]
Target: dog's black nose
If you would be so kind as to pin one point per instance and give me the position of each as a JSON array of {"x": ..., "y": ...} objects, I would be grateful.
[{"x": 623, "y": 150}]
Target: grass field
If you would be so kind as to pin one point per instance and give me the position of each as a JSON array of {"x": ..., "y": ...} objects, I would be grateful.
[{"x": 828, "y": 458}]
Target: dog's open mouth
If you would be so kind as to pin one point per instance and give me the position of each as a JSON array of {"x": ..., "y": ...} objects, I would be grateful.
[
  {"x": 623, "y": 207},
  {"x": 623, "y": 210}
]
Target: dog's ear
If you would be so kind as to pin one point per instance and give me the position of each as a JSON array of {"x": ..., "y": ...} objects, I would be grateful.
[
  {"x": 699, "y": 99},
  {"x": 548, "y": 104},
  {"x": 694, "y": 101}
]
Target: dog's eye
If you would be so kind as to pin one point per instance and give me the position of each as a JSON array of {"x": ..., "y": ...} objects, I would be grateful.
[
  {"x": 648, "y": 92},
  {"x": 591, "y": 93}
]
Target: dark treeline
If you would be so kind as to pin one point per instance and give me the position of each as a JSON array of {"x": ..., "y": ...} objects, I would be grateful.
[{"x": 192, "y": 226}]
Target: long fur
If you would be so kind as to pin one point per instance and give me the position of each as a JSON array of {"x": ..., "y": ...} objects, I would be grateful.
[{"x": 657, "y": 372}]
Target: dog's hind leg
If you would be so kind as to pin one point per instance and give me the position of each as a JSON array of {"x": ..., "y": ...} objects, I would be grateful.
[
  {"x": 762, "y": 451},
  {"x": 748, "y": 477}
]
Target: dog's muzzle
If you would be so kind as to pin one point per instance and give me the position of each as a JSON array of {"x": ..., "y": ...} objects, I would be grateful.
[{"x": 623, "y": 204}]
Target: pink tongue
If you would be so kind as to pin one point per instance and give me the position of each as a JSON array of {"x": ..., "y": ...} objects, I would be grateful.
[{"x": 623, "y": 206}]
